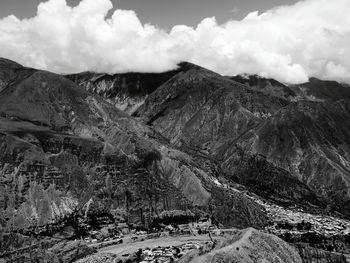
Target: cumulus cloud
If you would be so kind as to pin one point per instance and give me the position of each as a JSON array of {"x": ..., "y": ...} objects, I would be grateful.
[{"x": 289, "y": 43}]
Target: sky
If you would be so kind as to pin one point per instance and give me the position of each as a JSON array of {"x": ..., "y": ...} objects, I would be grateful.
[
  {"x": 283, "y": 39},
  {"x": 163, "y": 13}
]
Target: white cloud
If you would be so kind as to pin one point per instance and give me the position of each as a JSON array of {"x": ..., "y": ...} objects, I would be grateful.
[{"x": 289, "y": 43}]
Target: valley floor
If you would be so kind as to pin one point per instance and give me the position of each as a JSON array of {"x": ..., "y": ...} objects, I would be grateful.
[{"x": 130, "y": 248}]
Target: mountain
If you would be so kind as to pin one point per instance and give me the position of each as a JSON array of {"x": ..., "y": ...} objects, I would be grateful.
[
  {"x": 256, "y": 131},
  {"x": 315, "y": 89},
  {"x": 52, "y": 101},
  {"x": 267, "y": 85},
  {"x": 323, "y": 90},
  {"x": 199, "y": 110},
  {"x": 261, "y": 134},
  {"x": 92, "y": 150},
  {"x": 197, "y": 107},
  {"x": 53, "y": 130},
  {"x": 126, "y": 91},
  {"x": 306, "y": 140},
  {"x": 8, "y": 70}
]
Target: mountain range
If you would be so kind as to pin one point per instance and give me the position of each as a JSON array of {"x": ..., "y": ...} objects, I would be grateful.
[{"x": 179, "y": 140}]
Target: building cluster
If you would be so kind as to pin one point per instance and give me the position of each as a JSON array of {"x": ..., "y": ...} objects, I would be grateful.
[
  {"x": 167, "y": 254},
  {"x": 295, "y": 219}
]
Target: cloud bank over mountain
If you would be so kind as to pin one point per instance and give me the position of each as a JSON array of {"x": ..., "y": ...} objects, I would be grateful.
[{"x": 289, "y": 43}]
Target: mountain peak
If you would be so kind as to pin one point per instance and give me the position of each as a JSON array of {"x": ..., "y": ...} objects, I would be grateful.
[
  {"x": 9, "y": 64},
  {"x": 185, "y": 65}
]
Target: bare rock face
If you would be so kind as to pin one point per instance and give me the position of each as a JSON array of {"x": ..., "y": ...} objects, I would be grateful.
[{"x": 250, "y": 246}]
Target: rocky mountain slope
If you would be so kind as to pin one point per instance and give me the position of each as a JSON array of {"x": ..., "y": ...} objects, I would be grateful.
[
  {"x": 306, "y": 140},
  {"x": 127, "y": 91},
  {"x": 49, "y": 123},
  {"x": 263, "y": 133},
  {"x": 267, "y": 85},
  {"x": 134, "y": 145},
  {"x": 314, "y": 90},
  {"x": 8, "y": 71},
  {"x": 198, "y": 107}
]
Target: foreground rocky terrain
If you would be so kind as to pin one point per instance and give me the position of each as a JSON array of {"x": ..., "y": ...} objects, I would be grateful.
[{"x": 112, "y": 159}]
